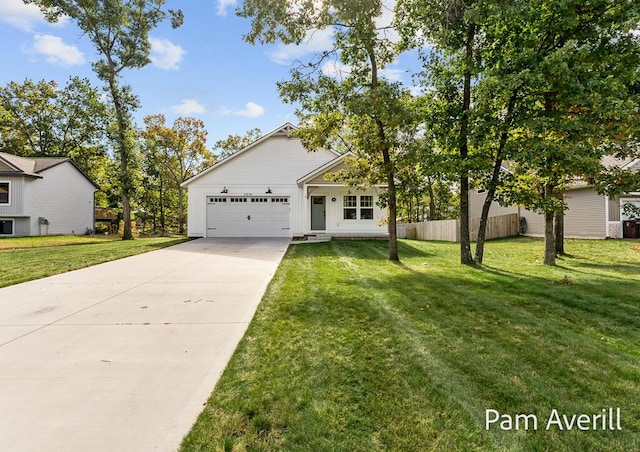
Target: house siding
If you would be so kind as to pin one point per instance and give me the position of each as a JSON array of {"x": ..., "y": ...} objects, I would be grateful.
[
  {"x": 276, "y": 163},
  {"x": 335, "y": 222},
  {"x": 16, "y": 196},
  {"x": 64, "y": 197},
  {"x": 584, "y": 218}
]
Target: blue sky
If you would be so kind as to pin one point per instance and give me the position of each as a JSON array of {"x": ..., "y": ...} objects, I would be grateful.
[{"x": 203, "y": 69}]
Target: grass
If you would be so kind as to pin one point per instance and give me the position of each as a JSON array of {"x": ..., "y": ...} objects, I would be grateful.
[
  {"x": 350, "y": 352},
  {"x": 25, "y": 259}
]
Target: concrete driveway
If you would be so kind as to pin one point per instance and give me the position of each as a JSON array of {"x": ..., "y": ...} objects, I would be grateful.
[{"x": 122, "y": 356}]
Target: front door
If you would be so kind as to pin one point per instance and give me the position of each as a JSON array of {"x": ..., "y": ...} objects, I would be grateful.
[{"x": 318, "y": 213}]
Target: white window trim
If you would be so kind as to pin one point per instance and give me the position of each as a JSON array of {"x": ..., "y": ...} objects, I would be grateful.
[
  {"x": 13, "y": 227},
  {"x": 360, "y": 207},
  {"x": 8, "y": 203}
]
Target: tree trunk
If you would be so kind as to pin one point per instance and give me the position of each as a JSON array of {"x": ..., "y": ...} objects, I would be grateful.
[
  {"x": 432, "y": 201},
  {"x": 393, "y": 232},
  {"x": 549, "y": 239},
  {"x": 465, "y": 239},
  {"x": 549, "y": 235},
  {"x": 559, "y": 229},
  {"x": 388, "y": 166},
  {"x": 491, "y": 192},
  {"x": 125, "y": 177}
]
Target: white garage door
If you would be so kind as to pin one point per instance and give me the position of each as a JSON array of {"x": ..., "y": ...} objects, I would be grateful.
[{"x": 248, "y": 216}]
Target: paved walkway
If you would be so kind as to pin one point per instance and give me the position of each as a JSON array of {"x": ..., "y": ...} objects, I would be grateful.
[{"x": 122, "y": 356}]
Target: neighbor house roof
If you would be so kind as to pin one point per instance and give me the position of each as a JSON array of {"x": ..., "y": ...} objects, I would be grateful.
[
  {"x": 13, "y": 165},
  {"x": 284, "y": 130}
]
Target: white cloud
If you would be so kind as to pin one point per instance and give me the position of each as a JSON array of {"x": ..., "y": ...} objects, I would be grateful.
[
  {"x": 221, "y": 9},
  {"x": 250, "y": 110},
  {"x": 315, "y": 41},
  {"x": 165, "y": 54},
  {"x": 56, "y": 51},
  {"x": 188, "y": 107},
  {"x": 336, "y": 69},
  {"x": 16, "y": 13},
  {"x": 392, "y": 74}
]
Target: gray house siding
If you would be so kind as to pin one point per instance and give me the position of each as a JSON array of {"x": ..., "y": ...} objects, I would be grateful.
[{"x": 16, "y": 196}]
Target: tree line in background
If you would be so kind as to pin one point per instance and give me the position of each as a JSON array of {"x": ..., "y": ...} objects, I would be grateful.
[{"x": 547, "y": 86}]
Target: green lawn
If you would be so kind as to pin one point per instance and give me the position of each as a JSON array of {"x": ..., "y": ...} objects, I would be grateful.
[
  {"x": 24, "y": 259},
  {"x": 350, "y": 352}
]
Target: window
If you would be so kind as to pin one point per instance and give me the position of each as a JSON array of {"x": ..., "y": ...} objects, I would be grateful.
[
  {"x": 259, "y": 200},
  {"x": 214, "y": 200},
  {"x": 4, "y": 192},
  {"x": 238, "y": 199},
  {"x": 350, "y": 204},
  {"x": 366, "y": 207},
  {"x": 282, "y": 200},
  {"x": 6, "y": 227}
]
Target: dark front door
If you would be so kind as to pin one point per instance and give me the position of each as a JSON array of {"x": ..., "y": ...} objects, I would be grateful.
[{"x": 318, "y": 213}]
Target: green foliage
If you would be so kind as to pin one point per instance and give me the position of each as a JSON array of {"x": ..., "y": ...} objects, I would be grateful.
[
  {"x": 119, "y": 30},
  {"x": 172, "y": 155},
  {"x": 357, "y": 111},
  {"x": 234, "y": 143}
]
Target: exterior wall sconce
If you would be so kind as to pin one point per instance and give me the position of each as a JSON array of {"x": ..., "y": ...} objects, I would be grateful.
[
  {"x": 333, "y": 199},
  {"x": 224, "y": 190},
  {"x": 268, "y": 190}
]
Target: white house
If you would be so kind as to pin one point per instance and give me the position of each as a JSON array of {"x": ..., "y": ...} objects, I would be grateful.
[
  {"x": 44, "y": 196},
  {"x": 588, "y": 215},
  {"x": 275, "y": 188}
]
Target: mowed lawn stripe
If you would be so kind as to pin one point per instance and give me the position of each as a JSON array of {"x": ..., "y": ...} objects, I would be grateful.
[{"x": 350, "y": 352}]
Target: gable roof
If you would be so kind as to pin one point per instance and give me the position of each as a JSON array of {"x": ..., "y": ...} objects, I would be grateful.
[
  {"x": 284, "y": 130},
  {"x": 13, "y": 165},
  {"x": 323, "y": 169}
]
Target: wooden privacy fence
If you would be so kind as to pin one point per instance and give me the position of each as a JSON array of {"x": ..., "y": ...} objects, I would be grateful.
[{"x": 449, "y": 230}]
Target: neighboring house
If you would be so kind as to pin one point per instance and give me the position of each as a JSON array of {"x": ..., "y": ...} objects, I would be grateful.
[
  {"x": 44, "y": 196},
  {"x": 275, "y": 188},
  {"x": 589, "y": 214}
]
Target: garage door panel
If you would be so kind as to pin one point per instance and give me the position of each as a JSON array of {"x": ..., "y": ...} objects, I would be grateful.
[{"x": 235, "y": 216}]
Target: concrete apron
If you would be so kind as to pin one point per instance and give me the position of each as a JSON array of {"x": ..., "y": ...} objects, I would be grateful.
[{"x": 122, "y": 356}]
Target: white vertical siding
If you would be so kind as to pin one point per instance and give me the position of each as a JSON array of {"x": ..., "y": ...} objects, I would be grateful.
[
  {"x": 335, "y": 222},
  {"x": 64, "y": 197}
]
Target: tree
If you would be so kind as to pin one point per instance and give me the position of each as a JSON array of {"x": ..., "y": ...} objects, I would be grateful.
[
  {"x": 180, "y": 151},
  {"x": 234, "y": 143},
  {"x": 119, "y": 30},
  {"x": 361, "y": 110},
  {"x": 577, "y": 105},
  {"x": 42, "y": 120},
  {"x": 531, "y": 82}
]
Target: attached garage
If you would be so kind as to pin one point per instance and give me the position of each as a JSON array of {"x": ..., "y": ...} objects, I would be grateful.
[
  {"x": 276, "y": 188},
  {"x": 248, "y": 216}
]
